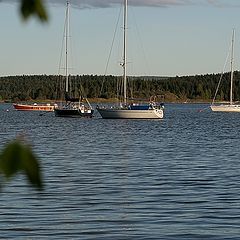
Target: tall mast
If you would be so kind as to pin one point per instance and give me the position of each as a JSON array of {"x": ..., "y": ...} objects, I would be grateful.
[
  {"x": 232, "y": 57},
  {"x": 125, "y": 52},
  {"x": 66, "y": 46}
]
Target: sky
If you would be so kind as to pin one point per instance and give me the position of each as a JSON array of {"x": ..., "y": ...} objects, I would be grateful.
[{"x": 165, "y": 37}]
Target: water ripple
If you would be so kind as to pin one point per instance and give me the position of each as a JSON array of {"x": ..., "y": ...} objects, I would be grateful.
[{"x": 173, "y": 179}]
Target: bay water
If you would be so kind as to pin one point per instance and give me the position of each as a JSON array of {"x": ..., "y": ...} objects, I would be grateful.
[{"x": 177, "y": 178}]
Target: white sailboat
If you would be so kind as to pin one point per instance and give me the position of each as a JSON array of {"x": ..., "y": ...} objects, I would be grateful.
[
  {"x": 231, "y": 107},
  {"x": 152, "y": 110},
  {"x": 72, "y": 107}
]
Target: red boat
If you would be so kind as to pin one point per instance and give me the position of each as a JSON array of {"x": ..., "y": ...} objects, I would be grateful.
[{"x": 34, "y": 107}]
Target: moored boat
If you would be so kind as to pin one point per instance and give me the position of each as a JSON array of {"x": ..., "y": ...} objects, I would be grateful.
[
  {"x": 225, "y": 108},
  {"x": 71, "y": 106},
  {"x": 74, "y": 109},
  {"x": 34, "y": 107},
  {"x": 133, "y": 110},
  {"x": 152, "y": 110},
  {"x": 231, "y": 106}
]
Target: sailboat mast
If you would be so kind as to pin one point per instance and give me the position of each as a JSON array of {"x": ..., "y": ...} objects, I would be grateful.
[
  {"x": 232, "y": 57},
  {"x": 125, "y": 52},
  {"x": 66, "y": 46}
]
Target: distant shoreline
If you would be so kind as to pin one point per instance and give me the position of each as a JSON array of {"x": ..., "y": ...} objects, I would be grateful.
[
  {"x": 186, "y": 89},
  {"x": 114, "y": 100}
]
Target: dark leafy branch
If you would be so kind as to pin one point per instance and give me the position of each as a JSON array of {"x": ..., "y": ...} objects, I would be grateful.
[
  {"x": 18, "y": 157},
  {"x": 35, "y": 8}
]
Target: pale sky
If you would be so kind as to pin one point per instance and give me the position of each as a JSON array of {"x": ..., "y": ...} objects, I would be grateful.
[{"x": 165, "y": 37}]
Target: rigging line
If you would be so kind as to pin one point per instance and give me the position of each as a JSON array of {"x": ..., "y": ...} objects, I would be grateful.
[
  {"x": 61, "y": 56},
  {"x": 81, "y": 89},
  {"x": 70, "y": 58},
  {"x": 219, "y": 82},
  {"x": 141, "y": 46},
  {"x": 72, "y": 47},
  {"x": 203, "y": 109},
  {"x": 110, "y": 52},
  {"x": 62, "y": 47}
]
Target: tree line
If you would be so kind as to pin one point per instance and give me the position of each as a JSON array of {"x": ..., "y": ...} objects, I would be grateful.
[{"x": 51, "y": 87}]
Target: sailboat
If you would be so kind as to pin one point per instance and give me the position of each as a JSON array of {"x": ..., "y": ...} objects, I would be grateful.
[
  {"x": 152, "y": 110},
  {"x": 231, "y": 107},
  {"x": 72, "y": 107}
]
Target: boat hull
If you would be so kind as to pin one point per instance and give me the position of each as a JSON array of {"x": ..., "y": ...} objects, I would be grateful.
[
  {"x": 225, "y": 108},
  {"x": 73, "y": 113},
  {"x": 130, "y": 114},
  {"x": 33, "y": 107}
]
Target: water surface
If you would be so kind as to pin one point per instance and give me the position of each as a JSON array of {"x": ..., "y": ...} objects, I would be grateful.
[{"x": 175, "y": 178}]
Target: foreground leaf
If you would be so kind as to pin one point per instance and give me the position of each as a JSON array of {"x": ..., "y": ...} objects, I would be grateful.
[
  {"x": 33, "y": 7},
  {"x": 18, "y": 157}
]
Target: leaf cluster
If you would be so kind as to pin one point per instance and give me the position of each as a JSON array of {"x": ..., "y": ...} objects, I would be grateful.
[
  {"x": 18, "y": 157},
  {"x": 35, "y": 8}
]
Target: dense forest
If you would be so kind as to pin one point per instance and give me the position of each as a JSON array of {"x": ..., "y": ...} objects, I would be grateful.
[{"x": 184, "y": 88}]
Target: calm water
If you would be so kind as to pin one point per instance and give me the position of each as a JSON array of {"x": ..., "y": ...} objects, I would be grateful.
[{"x": 176, "y": 178}]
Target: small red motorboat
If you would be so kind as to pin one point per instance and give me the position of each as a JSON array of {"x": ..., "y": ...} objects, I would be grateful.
[{"x": 34, "y": 107}]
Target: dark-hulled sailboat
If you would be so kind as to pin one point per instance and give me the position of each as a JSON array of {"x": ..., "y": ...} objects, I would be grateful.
[{"x": 71, "y": 107}]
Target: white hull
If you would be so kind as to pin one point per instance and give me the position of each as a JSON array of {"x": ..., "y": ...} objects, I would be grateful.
[
  {"x": 131, "y": 114},
  {"x": 225, "y": 108}
]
